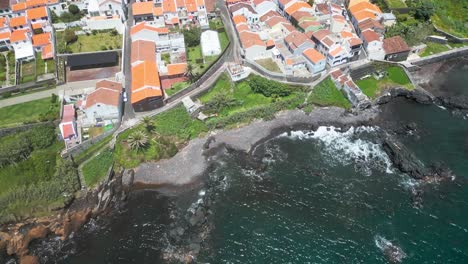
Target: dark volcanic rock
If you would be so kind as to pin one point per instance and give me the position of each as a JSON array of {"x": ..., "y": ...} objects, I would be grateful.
[
  {"x": 403, "y": 159},
  {"x": 417, "y": 95},
  {"x": 454, "y": 102}
]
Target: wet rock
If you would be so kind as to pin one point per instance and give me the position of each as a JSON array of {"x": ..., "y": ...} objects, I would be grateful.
[
  {"x": 403, "y": 159},
  {"x": 128, "y": 177},
  {"x": 454, "y": 102},
  {"x": 195, "y": 248},
  {"x": 417, "y": 95},
  {"x": 74, "y": 221}
]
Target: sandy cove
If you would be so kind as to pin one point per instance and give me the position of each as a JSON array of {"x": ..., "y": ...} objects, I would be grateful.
[{"x": 194, "y": 159}]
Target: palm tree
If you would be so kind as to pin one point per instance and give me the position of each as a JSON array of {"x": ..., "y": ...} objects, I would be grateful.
[
  {"x": 137, "y": 140},
  {"x": 148, "y": 123},
  {"x": 190, "y": 74}
]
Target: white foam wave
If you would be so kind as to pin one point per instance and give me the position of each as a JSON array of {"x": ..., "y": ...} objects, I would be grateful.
[
  {"x": 348, "y": 147},
  {"x": 394, "y": 253}
]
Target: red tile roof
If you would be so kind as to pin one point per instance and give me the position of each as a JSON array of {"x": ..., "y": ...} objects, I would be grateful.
[
  {"x": 103, "y": 96},
  {"x": 395, "y": 45},
  {"x": 370, "y": 35},
  {"x": 313, "y": 55},
  {"x": 249, "y": 39}
]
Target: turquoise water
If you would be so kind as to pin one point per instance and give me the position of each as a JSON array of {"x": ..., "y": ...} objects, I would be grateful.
[{"x": 325, "y": 196}]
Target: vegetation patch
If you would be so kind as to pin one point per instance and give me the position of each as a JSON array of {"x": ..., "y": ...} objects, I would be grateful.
[
  {"x": 393, "y": 77},
  {"x": 451, "y": 16},
  {"x": 434, "y": 48},
  {"x": 177, "y": 87},
  {"x": 326, "y": 94},
  {"x": 3, "y": 69},
  {"x": 396, "y": 3},
  {"x": 97, "y": 167},
  {"x": 44, "y": 66},
  {"x": 157, "y": 138},
  {"x": 46, "y": 109},
  {"x": 34, "y": 178},
  {"x": 28, "y": 71},
  {"x": 69, "y": 42},
  {"x": 269, "y": 64}
]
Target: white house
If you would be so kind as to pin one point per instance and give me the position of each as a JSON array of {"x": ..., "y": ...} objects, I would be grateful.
[
  {"x": 264, "y": 6},
  {"x": 102, "y": 106},
  {"x": 210, "y": 45},
  {"x": 373, "y": 44},
  {"x": 315, "y": 61},
  {"x": 247, "y": 10},
  {"x": 253, "y": 46}
]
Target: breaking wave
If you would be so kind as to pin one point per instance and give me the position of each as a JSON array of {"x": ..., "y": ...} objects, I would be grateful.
[
  {"x": 393, "y": 253},
  {"x": 353, "y": 146}
]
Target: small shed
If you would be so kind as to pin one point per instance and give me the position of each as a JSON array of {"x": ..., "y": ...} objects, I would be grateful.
[{"x": 210, "y": 43}]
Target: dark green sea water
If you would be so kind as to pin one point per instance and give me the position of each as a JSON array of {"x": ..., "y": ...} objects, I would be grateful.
[{"x": 326, "y": 196}]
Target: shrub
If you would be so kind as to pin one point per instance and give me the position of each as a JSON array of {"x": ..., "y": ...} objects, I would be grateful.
[
  {"x": 267, "y": 87},
  {"x": 69, "y": 36},
  {"x": 73, "y": 9}
]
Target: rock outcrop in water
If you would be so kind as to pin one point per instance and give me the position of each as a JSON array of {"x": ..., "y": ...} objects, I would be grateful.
[{"x": 418, "y": 95}]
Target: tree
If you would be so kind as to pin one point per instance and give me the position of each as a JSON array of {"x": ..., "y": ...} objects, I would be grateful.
[
  {"x": 192, "y": 36},
  {"x": 69, "y": 36},
  {"x": 73, "y": 9},
  {"x": 220, "y": 101},
  {"x": 424, "y": 10},
  {"x": 149, "y": 124},
  {"x": 190, "y": 73},
  {"x": 137, "y": 140},
  {"x": 55, "y": 17}
]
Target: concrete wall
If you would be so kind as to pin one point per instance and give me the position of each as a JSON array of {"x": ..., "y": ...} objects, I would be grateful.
[{"x": 11, "y": 130}]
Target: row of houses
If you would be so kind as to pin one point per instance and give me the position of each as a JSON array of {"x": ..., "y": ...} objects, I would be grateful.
[
  {"x": 296, "y": 34},
  {"x": 25, "y": 28},
  {"x": 172, "y": 13},
  {"x": 370, "y": 23}
]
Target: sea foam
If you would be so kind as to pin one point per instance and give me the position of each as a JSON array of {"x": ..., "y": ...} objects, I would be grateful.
[{"x": 348, "y": 147}]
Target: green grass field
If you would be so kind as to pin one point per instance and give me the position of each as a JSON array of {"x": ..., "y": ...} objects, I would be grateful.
[
  {"x": 87, "y": 43},
  {"x": 96, "y": 168},
  {"x": 396, "y": 77},
  {"x": 28, "y": 112},
  {"x": 326, "y": 94}
]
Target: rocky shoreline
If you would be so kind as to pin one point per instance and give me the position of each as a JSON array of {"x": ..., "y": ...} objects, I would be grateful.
[{"x": 193, "y": 161}]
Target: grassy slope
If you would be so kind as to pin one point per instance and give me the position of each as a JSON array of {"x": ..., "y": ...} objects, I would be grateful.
[
  {"x": 451, "y": 15},
  {"x": 326, "y": 94},
  {"x": 25, "y": 112},
  {"x": 96, "y": 169},
  {"x": 269, "y": 64}
]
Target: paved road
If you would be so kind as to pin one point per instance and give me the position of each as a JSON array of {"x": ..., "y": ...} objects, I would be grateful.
[
  {"x": 233, "y": 53},
  {"x": 27, "y": 98},
  {"x": 128, "y": 112}
]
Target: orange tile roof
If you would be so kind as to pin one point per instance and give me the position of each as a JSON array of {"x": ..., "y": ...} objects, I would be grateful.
[
  {"x": 143, "y": 50},
  {"x": 176, "y": 68},
  {"x": 103, "y": 96},
  {"x": 157, "y": 11},
  {"x": 5, "y": 35},
  {"x": 180, "y": 3},
  {"x": 36, "y": 13},
  {"x": 313, "y": 55},
  {"x": 36, "y": 25},
  {"x": 41, "y": 39},
  {"x": 175, "y": 20},
  {"x": 364, "y": 6},
  {"x": 270, "y": 43},
  {"x": 18, "y": 21},
  {"x": 169, "y": 6},
  {"x": 145, "y": 81},
  {"x": 370, "y": 35},
  {"x": 296, "y": 6},
  {"x": 18, "y": 35},
  {"x": 242, "y": 27},
  {"x": 239, "y": 19},
  {"x": 363, "y": 15},
  {"x": 346, "y": 34},
  {"x": 19, "y": 6},
  {"x": 336, "y": 51},
  {"x": 200, "y": 3},
  {"x": 355, "y": 2},
  {"x": 142, "y": 8},
  {"x": 249, "y": 39},
  {"x": 143, "y": 25},
  {"x": 109, "y": 85},
  {"x": 2, "y": 22},
  {"x": 47, "y": 51},
  {"x": 191, "y": 5}
]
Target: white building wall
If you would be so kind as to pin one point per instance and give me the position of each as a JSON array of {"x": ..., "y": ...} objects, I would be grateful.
[
  {"x": 257, "y": 52},
  {"x": 105, "y": 24},
  {"x": 375, "y": 50}
]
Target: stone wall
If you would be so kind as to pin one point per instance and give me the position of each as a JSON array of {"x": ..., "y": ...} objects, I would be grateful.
[
  {"x": 11, "y": 130},
  {"x": 414, "y": 65}
]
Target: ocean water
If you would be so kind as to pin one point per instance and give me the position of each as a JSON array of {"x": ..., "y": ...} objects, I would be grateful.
[{"x": 324, "y": 196}]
